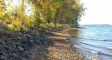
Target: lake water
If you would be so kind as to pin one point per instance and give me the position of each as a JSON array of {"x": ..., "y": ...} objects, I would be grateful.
[{"x": 93, "y": 41}]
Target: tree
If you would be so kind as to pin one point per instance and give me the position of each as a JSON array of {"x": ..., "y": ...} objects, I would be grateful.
[
  {"x": 44, "y": 13},
  {"x": 2, "y": 11}
]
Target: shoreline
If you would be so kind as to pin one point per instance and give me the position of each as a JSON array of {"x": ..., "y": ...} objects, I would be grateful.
[
  {"x": 58, "y": 48},
  {"x": 51, "y": 44}
]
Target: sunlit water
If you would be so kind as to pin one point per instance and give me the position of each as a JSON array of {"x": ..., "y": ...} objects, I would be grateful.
[{"x": 93, "y": 41}]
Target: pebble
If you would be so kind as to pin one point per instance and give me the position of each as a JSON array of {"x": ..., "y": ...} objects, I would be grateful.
[{"x": 57, "y": 49}]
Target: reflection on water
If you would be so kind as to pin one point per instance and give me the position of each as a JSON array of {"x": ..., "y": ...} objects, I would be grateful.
[
  {"x": 73, "y": 32},
  {"x": 93, "y": 41}
]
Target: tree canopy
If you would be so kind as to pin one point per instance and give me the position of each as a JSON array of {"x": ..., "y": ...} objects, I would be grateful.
[{"x": 45, "y": 13}]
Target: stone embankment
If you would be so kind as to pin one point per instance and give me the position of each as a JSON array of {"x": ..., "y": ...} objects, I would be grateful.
[
  {"x": 18, "y": 46},
  {"x": 49, "y": 45}
]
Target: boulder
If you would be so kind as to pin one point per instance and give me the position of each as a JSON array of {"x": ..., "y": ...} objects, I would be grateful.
[
  {"x": 28, "y": 55},
  {"x": 13, "y": 45},
  {"x": 29, "y": 37},
  {"x": 43, "y": 41},
  {"x": 4, "y": 50},
  {"x": 26, "y": 47},
  {"x": 5, "y": 55},
  {"x": 31, "y": 43},
  {"x": 24, "y": 59},
  {"x": 4, "y": 27},
  {"x": 20, "y": 37},
  {"x": 3, "y": 58},
  {"x": 7, "y": 48},
  {"x": 20, "y": 50},
  {"x": 38, "y": 42},
  {"x": 2, "y": 42},
  {"x": 30, "y": 33},
  {"x": 15, "y": 56}
]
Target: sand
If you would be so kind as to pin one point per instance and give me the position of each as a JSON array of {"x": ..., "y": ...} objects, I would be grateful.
[{"x": 58, "y": 48}]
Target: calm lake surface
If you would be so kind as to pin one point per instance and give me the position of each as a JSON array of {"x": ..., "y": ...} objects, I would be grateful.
[{"x": 93, "y": 41}]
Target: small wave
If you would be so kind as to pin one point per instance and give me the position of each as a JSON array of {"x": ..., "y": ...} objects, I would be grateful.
[
  {"x": 80, "y": 38},
  {"x": 103, "y": 56},
  {"x": 99, "y": 43},
  {"x": 92, "y": 54},
  {"x": 93, "y": 48},
  {"x": 88, "y": 54}
]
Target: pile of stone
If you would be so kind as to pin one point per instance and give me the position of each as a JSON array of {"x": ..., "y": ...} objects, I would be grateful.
[{"x": 18, "y": 46}]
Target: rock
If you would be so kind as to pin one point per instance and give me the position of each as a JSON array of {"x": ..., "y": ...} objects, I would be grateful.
[
  {"x": 46, "y": 40},
  {"x": 16, "y": 44},
  {"x": 27, "y": 36},
  {"x": 6, "y": 55},
  {"x": 24, "y": 59},
  {"x": 30, "y": 32},
  {"x": 7, "y": 32},
  {"x": 25, "y": 41},
  {"x": 1, "y": 52},
  {"x": 15, "y": 56},
  {"x": 4, "y": 50},
  {"x": 10, "y": 48},
  {"x": 7, "y": 48},
  {"x": 20, "y": 48},
  {"x": 0, "y": 35},
  {"x": 3, "y": 58},
  {"x": 4, "y": 27},
  {"x": 13, "y": 45},
  {"x": 20, "y": 37},
  {"x": 43, "y": 41},
  {"x": 13, "y": 37},
  {"x": 31, "y": 43},
  {"x": 27, "y": 54},
  {"x": 38, "y": 42},
  {"x": 2, "y": 42},
  {"x": 26, "y": 47}
]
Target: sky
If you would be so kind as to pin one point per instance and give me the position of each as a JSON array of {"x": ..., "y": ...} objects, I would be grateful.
[
  {"x": 16, "y": 3},
  {"x": 98, "y": 12}
]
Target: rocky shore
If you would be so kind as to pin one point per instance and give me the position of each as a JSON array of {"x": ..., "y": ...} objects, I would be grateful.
[
  {"x": 49, "y": 45},
  {"x": 58, "y": 48},
  {"x": 18, "y": 46}
]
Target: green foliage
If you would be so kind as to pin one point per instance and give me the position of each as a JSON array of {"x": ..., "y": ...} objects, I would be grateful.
[{"x": 46, "y": 13}]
